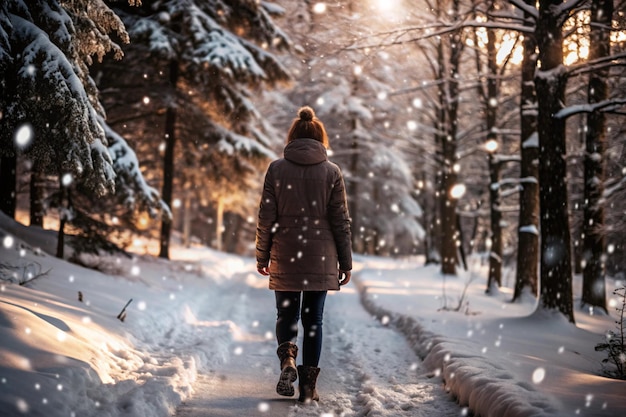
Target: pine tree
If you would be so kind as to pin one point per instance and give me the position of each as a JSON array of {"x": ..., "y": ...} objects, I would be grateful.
[
  {"x": 356, "y": 91},
  {"x": 51, "y": 110},
  {"x": 198, "y": 63}
]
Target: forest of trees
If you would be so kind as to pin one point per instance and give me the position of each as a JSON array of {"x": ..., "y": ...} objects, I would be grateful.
[{"x": 462, "y": 126}]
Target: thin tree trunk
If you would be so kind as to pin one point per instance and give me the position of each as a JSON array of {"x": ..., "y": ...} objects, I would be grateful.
[
  {"x": 168, "y": 160},
  {"x": 491, "y": 104},
  {"x": 8, "y": 185},
  {"x": 187, "y": 219},
  {"x": 594, "y": 242},
  {"x": 494, "y": 280},
  {"x": 64, "y": 212},
  {"x": 550, "y": 80},
  {"x": 358, "y": 235},
  {"x": 36, "y": 195},
  {"x": 528, "y": 226},
  {"x": 219, "y": 223}
]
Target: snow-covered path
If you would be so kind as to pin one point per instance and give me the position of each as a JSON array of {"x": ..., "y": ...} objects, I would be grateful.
[{"x": 367, "y": 368}]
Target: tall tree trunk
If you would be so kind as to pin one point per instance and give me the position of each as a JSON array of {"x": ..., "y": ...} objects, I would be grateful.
[
  {"x": 494, "y": 279},
  {"x": 168, "y": 160},
  {"x": 36, "y": 197},
  {"x": 550, "y": 80},
  {"x": 594, "y": 242},
  {"x": 491, "y": 104},
  {"x": 528, "y": 226},
  {"x": 450, "y": 100},
  {"x": 8, "y": 185}
]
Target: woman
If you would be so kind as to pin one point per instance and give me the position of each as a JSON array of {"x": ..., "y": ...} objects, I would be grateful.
[{"x": 303, "y": 244}]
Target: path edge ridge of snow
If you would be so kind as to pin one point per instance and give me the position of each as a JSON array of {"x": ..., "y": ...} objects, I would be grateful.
[{"x": 465, "y": 376}]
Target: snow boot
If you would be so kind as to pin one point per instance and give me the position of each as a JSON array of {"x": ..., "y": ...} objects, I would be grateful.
[
  {"x": 287, "y": 353},
  {"x": 307, "y": 380}
]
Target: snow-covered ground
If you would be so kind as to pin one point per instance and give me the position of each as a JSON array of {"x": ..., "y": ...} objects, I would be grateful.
[{"x": 197, "y": 340}]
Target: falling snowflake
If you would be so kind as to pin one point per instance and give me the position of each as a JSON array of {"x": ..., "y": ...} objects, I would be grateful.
[
  {"x": 135, "y": 270},
  {"x": 238, "y": 350},
  {"x": 8, "y": 241},
  {"x": 264, "y": 407},
  {"x": 67, "y": 179},
  {"x": 24, "y": 136},
  {"x": 141, "y": 305},
  {"x": 22, "y": 405},
  {"x": 538, "y": 375}
]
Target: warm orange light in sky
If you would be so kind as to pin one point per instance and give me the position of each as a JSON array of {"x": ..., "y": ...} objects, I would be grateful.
[{"x": 390, "y": 9}]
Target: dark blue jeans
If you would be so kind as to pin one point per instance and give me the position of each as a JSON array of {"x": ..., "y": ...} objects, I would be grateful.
[{"x": 289, "y": 312}]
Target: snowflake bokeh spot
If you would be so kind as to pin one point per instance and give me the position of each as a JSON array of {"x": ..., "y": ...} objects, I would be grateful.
[
  {"x": 67, "y": 179},
  {"x": 538, "y": 375},
  {"x": 8, "y": 241},
  {"x": 24, "y": 136},
  {"x": 22, "y": 405}
]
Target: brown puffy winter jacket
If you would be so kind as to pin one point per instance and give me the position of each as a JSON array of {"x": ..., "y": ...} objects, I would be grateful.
[{"x": 303, "y": 231}]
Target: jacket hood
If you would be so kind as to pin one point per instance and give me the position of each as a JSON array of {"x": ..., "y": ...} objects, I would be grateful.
[{"x": 305, "y": 151}]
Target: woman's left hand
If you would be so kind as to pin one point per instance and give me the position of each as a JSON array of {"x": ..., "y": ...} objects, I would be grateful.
[
  {"x": 263, "y": 271},
  {"x": 346, "y": 277}
]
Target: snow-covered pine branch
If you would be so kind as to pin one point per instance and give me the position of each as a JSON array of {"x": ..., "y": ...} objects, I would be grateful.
[
  {"x": 51, "y": 95},
  {"x": 93, "y": 22},
  {"x": 131, "y": 186}
]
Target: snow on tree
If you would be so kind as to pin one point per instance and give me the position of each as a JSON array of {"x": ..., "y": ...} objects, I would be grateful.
[
  {"x": 350, "y": 90},
  {"x": 48, "y": 89},
  {"x": 198, "y": 64},
  {"x": 131, "y": 186}
]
